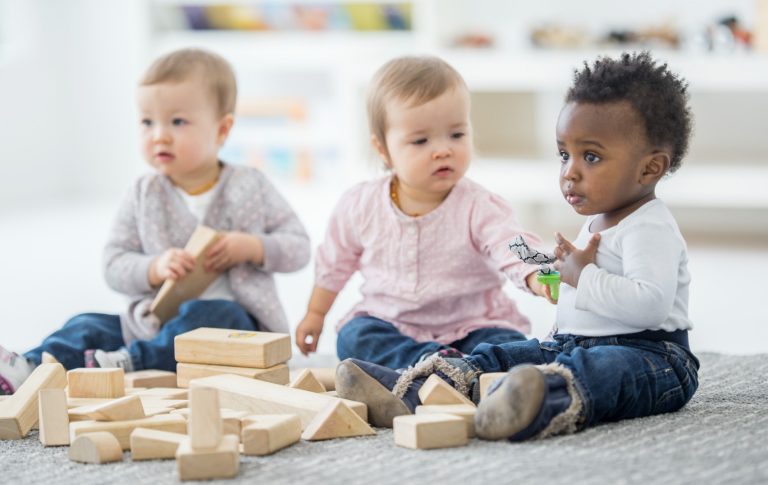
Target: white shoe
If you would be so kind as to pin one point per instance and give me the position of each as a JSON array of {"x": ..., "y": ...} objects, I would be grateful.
[
  {"x": 14, "y": 370},
  {"x": 119, "y": 358}
]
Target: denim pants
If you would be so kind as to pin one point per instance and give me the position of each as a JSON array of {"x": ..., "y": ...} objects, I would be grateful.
[
  {"x": 616, "y": 377},
  {"x": 100, "y": 331},
  {"x": 374, "y": 340}
]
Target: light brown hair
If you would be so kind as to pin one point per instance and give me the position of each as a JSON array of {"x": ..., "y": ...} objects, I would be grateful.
[
  {"x": 414, "y": 80},
  {"x": 184, "y": 64}
]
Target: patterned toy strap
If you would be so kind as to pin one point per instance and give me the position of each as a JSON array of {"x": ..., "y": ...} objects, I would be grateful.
[{"x": 532, "y": 256}]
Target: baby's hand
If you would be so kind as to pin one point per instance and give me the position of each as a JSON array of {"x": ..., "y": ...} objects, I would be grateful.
[
  {"x": 310, "y": 326},
  {"x": 539, "y": 288},
  {"x": 570, "y": 260},
  {"x": 173, "y": 264},
  {"x": 234, "y": 248}
]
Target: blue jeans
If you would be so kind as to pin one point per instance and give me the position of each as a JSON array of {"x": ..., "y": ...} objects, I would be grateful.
[
  {"x": 374, "y": 340},
  {"x": 616, "y": 377},
  {"x": 100, "y": 331}
]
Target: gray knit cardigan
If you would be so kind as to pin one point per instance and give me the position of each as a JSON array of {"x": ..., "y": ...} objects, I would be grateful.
[{"x": 153, "y": 218}]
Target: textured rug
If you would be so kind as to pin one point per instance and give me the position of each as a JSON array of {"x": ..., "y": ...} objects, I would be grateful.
[{"x": 721, "y": 436}]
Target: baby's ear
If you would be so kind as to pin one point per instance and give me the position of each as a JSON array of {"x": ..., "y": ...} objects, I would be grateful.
[
  {"x": 225, "y": 126},
  {"x": 655, "y": 167},
  {"x": 380, "y": 149}
]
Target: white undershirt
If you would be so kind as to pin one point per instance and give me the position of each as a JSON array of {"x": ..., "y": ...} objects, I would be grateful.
[
  {"x": 639, "y": 282},
  {"x": 198, "y": 206}
]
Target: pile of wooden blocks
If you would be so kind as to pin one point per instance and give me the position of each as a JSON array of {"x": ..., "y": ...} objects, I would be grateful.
[{"x": 100, "y": 413}]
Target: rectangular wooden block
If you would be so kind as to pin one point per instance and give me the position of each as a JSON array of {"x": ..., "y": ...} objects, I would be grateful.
[
  {"x": 464, "y": 411},
  {"x": 185, "y": 372},
  {"x": 121, "y": 409},
  {"x": 96, "y": 382},
  {"x": 175, "y": 292},
  {"x": 122, "y": 429},
  {"x": 428, "y": 431},
  {"x": 222, "y": 461},
  {"x": 53, "y": 417},
  {"x": 237, "y": 348},
  {"x": 259, "y": 397},
  {"x": 150, "y": 378},
  {"x": 204, "y": 423},
  {"x": 267, "y": 433},
  {"x": 153, "y": 444},
  {"x": 161, "y": 393},
  {"x": 487, "y": 379},
  {"x": 231, "y": 419},
  {"x": 20, "y": 412}
]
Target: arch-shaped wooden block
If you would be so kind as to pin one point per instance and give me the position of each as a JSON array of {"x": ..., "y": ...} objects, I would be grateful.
[{"x": 97, "y": 447}]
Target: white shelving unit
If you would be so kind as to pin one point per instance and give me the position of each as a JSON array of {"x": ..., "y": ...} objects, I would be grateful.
[{"x": 517, "y": 95}]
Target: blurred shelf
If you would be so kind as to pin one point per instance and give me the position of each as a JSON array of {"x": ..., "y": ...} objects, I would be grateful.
[{"x": 739, "y": 186}]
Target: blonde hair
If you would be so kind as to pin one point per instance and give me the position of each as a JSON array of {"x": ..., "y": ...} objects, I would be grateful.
[
  {"x": 415, "y": 80},
  {"x": 183, "y": 64}
]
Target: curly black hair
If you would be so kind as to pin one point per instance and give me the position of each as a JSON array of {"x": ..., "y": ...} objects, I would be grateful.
[{"x": 659, "y": 96}]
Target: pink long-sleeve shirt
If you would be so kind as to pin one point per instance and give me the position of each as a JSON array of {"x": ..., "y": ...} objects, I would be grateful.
[{"x": 435, "y": 277}]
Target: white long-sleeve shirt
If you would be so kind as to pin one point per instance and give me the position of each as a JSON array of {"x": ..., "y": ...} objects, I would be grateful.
[{"x": 639, "y": 280}]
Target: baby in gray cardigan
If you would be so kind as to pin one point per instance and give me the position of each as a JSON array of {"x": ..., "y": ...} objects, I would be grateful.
[{"x": 186, "y": 100}]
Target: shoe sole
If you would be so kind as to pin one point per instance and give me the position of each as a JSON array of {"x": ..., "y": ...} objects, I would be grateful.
[
  {"x": 355, "y": 384},
  {"x": 513, "y": 406}
]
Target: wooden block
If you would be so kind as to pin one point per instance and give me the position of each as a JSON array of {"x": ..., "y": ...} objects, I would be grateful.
[
  {"x": 337, "y": 420},
  {"x": 161, "y": 393},
  {"x": 150, "y": 378},
  {"x": 326, "y": 376},
  {"x": 53, "y": 417},
  {"x": 122, "y": 429},
  {"x": 223, "y": 461},
  {"x": 47, "y": 358},
  {"x": 152, "y": 444},
  {"x": 267, "y": 433},
  {"x": 96, "y": 382},
  {"x": 175, "y": 292},
  {"x": 277, "y": 374},
  {"x": 122, "y": 409},
  {"x": 97, "y": 447},
  {"x": 20, "y": 412},
  {"x": 204, "y": 423},
  {"x": 760, "y": 26},
  {"x": 231, "y": 419},
  {"x": 428, "y": 431},
  {"x": 437, "y": 391},
  {"x": 306, "y": 380},
  {"x": 487, "y": 379},
  {"x": 77, "y": 402},
  {"x": 464, "y": 411},
  {"x": 259, "y": 397},
  {"x": 233, "y": 347}
]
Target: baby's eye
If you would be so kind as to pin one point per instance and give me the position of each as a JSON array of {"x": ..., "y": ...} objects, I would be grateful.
[
  {"x": 590, "y": 157},
  {"x": 146, "y": 122},
  {"x": 564, "y": 156},
  {"x": 179, "y": 122},
  {"x": 420, "y": 141},
  {"x": 457, "y": 135}
]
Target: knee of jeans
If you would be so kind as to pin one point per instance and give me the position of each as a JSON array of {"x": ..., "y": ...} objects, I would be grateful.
[{"x": 215, "y": 308}]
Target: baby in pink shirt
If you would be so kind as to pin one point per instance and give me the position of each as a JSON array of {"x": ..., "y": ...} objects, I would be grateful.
[{"x": 431, "y": 245}]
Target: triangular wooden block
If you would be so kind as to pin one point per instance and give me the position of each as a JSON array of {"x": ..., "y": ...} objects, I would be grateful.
[
  {"x": 336, "y": 420},
  {"x": 437, "y": 391},
  {"x": 123, "y": 409},
  {"x": 307, "y": 381}
]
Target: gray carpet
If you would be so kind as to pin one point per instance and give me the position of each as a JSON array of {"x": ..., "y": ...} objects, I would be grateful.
[{"x": 720, "y": 437}]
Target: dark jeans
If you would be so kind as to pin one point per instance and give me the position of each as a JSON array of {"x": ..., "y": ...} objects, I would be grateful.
[
  {"x": 100, "y": 331},
  {"x": 374, "y": 340},
  {"x": 617, "y": 377}
]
